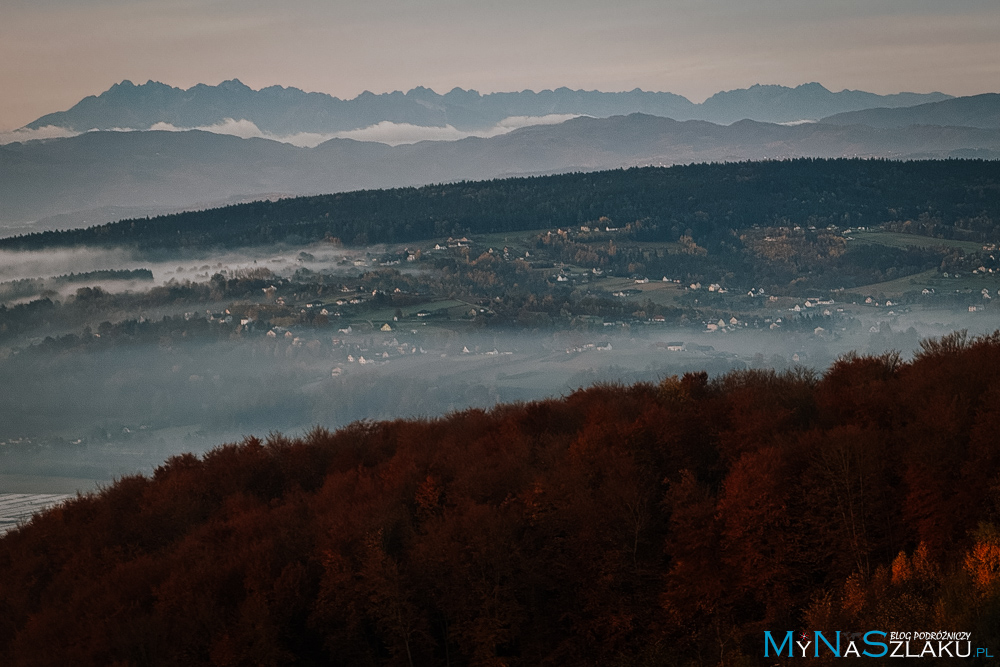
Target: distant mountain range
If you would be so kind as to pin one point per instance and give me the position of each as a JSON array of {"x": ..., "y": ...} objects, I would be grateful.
[
  {"x": 288, "y": 111},
  {"x": 248, "y": 144},
  {"x": 154, "y": 172},
  {"x": 981, "y": 111}
]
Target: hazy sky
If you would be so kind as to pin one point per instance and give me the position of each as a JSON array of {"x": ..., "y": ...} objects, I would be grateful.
[{"x": 54, "y": 52}]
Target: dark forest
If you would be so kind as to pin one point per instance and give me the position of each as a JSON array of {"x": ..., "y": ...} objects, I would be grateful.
[{"x": 957, "y": 199}]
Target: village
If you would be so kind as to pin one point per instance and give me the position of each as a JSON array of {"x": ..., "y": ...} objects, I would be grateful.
[{"x": 378, "y": 332}]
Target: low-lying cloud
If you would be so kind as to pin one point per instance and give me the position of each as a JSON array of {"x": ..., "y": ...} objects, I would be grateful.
[
  {"x": 385, "y": 132},
  {"x": 395, "y": 134},
  {"x": 28, "y": 134},
  {"x": 20, "y": 264}
]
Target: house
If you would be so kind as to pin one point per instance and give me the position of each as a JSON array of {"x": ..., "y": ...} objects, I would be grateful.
[
  {"x": 385, "y": 327},
  {"x": 604, "y": 346},
  {"x": 675, "y": 346}
]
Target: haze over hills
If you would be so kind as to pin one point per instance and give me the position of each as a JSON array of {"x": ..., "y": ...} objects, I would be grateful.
[
  {"x": 289, "y": 111},
  {"x": 780, "y": 104},
  {"x": 283, "y": 141},
  {"x": 981, "y": 111},
  {"x": 161, "y": 171}
]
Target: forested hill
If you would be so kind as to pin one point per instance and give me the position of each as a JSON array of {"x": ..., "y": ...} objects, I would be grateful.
[
  {"x": 952, "y": 198},
  {"x": 667, "y": 524}
]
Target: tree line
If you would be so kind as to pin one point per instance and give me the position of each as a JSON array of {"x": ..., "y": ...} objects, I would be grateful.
[{"x": 952, "y": 198}]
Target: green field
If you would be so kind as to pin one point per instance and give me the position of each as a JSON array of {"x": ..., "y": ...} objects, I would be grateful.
[
  {"x": 656, "y": 290},
  {"x": 897, "y": 240},
  {"x": 932, "y": 279},
  {"x": 453, "y": 308},
  {"x": 510, "y": 239}
]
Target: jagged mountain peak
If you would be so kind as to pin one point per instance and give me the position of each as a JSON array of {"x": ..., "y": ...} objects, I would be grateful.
[{"x": 280, "y": 111}]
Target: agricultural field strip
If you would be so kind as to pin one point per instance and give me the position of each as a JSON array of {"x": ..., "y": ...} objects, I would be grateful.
[{"x": 898, "y": 240}]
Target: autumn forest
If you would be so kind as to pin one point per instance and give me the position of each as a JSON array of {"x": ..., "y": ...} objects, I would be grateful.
[{"x": 664, "y": 523}]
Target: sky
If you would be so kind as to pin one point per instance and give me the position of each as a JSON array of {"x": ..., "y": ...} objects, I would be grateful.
[{"x": 55, "y": 52}]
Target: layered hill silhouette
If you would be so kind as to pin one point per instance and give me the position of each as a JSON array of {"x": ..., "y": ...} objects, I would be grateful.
[
  {"x": 656, "y": 524},
  {"x": 981, "y": 111},
  {"x": 710, "y": 203},
  {"x": 154, "y": 171},
  {"x": 288, "y": 111}
]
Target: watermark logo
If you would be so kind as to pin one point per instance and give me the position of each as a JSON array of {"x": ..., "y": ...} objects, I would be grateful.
[{"x": 872, "y": 644}]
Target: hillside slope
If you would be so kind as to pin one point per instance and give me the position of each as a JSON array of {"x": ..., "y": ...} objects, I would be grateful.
[
  {"x": 707, "y": 202},
  {"x": 179, "y": 169},
  {"x": 652, "y": 524},
  {"x": 982, "y": 111}
]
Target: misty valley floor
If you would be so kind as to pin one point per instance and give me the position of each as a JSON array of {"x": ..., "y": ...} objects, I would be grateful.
[{"x": 18, "y": 508}]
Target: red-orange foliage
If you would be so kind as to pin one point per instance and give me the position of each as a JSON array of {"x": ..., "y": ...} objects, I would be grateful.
[{"x": 625, "y": 525}]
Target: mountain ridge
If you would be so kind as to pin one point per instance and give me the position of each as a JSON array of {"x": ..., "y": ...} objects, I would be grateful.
[
  {"x": 156, "y": 169},
  {"x": 282, "y": 110},
  {"x": 982, "y": 111}
]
